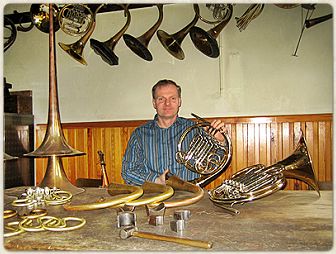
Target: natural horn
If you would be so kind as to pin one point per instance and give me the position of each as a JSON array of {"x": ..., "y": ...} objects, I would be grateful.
[
  {"x": 206, "y": 41},
  {"x": 139, "y": 45},
  {"x": 172, "y": 42},
  {"x": 105, "y": 49}
]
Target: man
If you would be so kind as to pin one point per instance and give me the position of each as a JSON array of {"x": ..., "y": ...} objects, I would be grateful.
[{"x": 150, "y": 154}]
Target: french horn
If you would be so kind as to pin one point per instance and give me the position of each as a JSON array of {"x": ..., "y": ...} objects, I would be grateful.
[
  {"x": 139, "y": 45},
  {"x": 206, "y": 41},
  {"x": 75, "y": 50},
  {"x": 206, "y": 155},
  {"x": 259, "y": 181},
  {"x": 105, "y": 49},
  {"x": 172, "y": 42},
  {"x": 75, "y": 19}
]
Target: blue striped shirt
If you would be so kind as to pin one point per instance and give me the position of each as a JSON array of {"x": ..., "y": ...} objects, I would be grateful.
[{"x": 151, "y": 149}]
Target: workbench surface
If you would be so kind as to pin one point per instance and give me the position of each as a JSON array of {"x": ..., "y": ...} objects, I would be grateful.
[{"x": 283, "y": 221}]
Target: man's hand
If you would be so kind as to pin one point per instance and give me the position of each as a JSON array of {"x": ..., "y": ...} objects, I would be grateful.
[
  {"x": 162, "y": 178},
  {"x": 218, "y": 127}
]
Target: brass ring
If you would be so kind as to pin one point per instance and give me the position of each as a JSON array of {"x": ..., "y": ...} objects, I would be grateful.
[
  {"x": 22, "y": 202},
  {"x": 27, "y": 225},
  {"x": 59, "y": 199},
  {"x": 66, "y": 228},
  {"x": 9, "y": 213},
  {"x": 51, "y": 221},
  {"x": 15, "y": 231}
]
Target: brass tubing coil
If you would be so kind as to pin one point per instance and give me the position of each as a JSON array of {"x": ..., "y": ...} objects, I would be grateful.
[
  {"x": 165, "y": 192},
  {"x": 134, "y": 192}
]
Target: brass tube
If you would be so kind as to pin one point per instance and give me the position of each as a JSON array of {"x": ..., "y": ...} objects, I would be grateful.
[
  {"x": 133, "y": 192},
  {"x": 165, "y": 192},
  {"x": 179, "y": 184}
]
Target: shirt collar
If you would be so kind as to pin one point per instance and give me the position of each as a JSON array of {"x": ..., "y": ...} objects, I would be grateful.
[{"x": 177, "y": 121}]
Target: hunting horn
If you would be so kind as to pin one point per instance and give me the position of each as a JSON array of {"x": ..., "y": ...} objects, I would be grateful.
[
  {"x": 75, "y": 50},
  {"x": 140, "y": 45},
  {"x": 105, "y": 49},
  {"x": 258, "y": 181},
  {"x": 206, "y": 41},
  {"x": 206, "y": 155},
  {"x": 54, "y": 144},
  {"x": 172, "y": 42}
]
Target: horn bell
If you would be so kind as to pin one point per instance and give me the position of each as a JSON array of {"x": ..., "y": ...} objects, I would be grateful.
[
  {"x": 105, "y": 49},
  {"x": 206, "y": 41},
  {"x": 299, "y": 165},
  {"x": 139, "y": 45},
  {"x": 172, "y": 42}
]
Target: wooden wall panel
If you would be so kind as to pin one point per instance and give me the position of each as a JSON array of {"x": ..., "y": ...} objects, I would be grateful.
[{"x": 264, "y": 140}]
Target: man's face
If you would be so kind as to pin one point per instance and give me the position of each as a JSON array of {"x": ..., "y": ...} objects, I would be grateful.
[{"x": 167, "y": 101}]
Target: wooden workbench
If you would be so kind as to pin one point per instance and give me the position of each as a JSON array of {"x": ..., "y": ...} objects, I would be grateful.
[{"x": 283, "y": 221}]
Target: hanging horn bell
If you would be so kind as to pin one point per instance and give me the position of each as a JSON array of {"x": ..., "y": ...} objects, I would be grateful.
[
  {"x": 139, "y": 45},
  {"x": 172, "y": 42},
  {"x": 105, "y": 49},
  {"x": 206, "y": 41}
]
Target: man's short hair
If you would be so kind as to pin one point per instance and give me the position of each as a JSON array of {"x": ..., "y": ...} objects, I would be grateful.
[{"x": 165, "y": 82}]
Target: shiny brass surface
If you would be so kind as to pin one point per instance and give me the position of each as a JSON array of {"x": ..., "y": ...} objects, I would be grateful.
[
  {"x": 139, "y": 45},
  {"x": 165, "y": 192},
  {"x": 75, "y": 19},
  {"x": 75, "y": 50},
  {"x": 206, "y": 41},
  {"x": 172, "y": 42},
  {"x": 133, "y": 192},
  {"x": 54, "y": 144},
  {"x": 258, "y": 181},
  {"x": 105, "y": 49},
  {"x": 205, "y": 156},
  {"x": 250, "y": 14},
  {"x": 55, "y": 176},
  {"x": 179, "y": 184},
  {"x": 40, "y": 16}
]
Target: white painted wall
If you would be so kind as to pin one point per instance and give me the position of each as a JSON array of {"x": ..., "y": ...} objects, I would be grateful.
[{"x": 255, "y": 74}]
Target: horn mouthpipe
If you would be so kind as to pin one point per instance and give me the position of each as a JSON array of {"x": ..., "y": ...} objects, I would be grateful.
[{"x": 184, "y": 241}]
